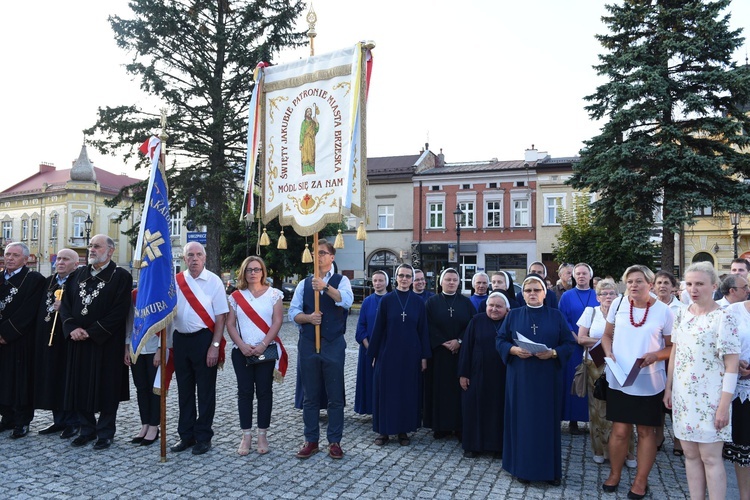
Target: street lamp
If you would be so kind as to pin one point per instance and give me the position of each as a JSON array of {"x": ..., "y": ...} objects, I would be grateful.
[
  {"x": 734, "y": 218},
  {"x": 248, "y": 226},
  {"x": 87, "y": 224},
  {"x": 458, "y": 215}
]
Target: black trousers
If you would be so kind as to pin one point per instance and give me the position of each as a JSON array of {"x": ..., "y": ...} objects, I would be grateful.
[
  {"x": 144, "y": 373},
  {"x": 17, "y": 416},
  {"x": 193, "y": 374},
  {"x": 104, "y": 428}
]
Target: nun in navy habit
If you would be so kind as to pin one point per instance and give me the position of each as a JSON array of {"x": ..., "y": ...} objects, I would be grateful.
[
  {"x": 533, "y": 399},
  {"x": 481, "y": 374},
  {"x": 399, "y": 346},
  {"x": 365, "y": 324}
]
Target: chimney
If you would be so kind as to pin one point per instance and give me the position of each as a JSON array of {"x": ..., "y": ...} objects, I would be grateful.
[
  {"x": 45, "y": 167},
  {"x": 531, "y": 155},
  {"x": 441, "y": 159}
]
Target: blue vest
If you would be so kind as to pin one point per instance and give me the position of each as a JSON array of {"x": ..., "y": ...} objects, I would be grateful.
[{"x": 334, "y": 317}]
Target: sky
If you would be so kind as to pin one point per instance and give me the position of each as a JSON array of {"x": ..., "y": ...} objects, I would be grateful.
[{"x": 479, "y": 79}]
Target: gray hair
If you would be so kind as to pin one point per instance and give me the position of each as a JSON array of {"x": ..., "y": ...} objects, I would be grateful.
[
  {"x": 23, "y": 246},
  {"x": 185, "y": 248},
  {"x": 473, "y": 278}
]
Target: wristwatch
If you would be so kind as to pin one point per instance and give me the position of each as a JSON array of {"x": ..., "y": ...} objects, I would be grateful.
[
  {"x": 216, "y": 344},
  {"x": 459, "y": 341},
  {"x": 554, "y": 353},
  {"x": 325, "y": 288}
]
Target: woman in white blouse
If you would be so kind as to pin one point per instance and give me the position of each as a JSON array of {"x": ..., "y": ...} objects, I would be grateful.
[
  {"x": 643, "y": 327},
  {"x": 255, "y": 315}
]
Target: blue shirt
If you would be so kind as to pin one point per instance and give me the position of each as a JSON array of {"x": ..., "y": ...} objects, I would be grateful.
[{"x": 344, "y": 288}]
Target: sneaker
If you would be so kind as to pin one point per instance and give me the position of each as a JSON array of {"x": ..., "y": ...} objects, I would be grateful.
[
  {"x": 599, "y": 459},
  {"x": 335, "y": 451},
  {"x": 308, "y": 449},
  {"x": 631, "y": 463}
]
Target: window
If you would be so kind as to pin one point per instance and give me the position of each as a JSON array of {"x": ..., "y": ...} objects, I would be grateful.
[
  {"x": 78, "y": 226},
  {"x": 7, "y": 230},
  {"x": 492, "y": 185},
  {"x": 24, "y": 229},
  {"x": 53, "y": 227},
  {"x": 703, "y": 212},
  {"x": 521, "y": 216},
  {"x": 114, "y": 228},
  {"x": 465, "y": 186},
  {"x": 175, "y": 224},
  {"x": 435, "y": 215},
  {"x": 34, "y": 229},
  {"x": 553, "y": 203},
  {"x": 434, "y": 188},
  {"x": 494, "y": 214},
  {"x": 467, "y": 207},
  {"x": 385, "y": 216}
]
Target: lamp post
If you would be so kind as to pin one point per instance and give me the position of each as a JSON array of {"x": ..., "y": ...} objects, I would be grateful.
[
  {"x": 248, "y": 226},
  {"x": 87, "y": 224},
  {"x": 458, "y": 215},
  {"x": 734, "y": 218}
]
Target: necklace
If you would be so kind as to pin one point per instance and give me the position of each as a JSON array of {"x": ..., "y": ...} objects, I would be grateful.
[
  {"x": 11, "y": 293},
  {"x": 87, "y": 298},
  {"x": 450, "y": 308},
  {"x": 403, "y": 306},
  {"x": 588, "y": 297},
  {"x": 645, "y": 316}
]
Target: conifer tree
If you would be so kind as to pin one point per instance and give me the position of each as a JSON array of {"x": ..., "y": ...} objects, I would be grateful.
[{"x": 674, "y": 127}]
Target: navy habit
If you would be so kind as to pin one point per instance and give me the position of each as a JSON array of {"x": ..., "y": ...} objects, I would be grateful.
[
  {"x": 399, "y": 343},
  {"x": 363, "y": 396},
  {"x": 533, "y": 400},
  {"x": 483, "y": 403}
]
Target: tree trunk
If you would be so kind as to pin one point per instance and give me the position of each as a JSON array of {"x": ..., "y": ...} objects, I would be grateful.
[{"x": 667, "y": 250}]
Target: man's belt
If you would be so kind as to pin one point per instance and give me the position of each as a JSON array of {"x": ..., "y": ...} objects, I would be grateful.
[{"x": 193, "y": 334}]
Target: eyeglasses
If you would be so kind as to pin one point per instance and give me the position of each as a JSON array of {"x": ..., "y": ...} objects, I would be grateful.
[
  {"x": 608, "y": 294},
  {"x": 532, "y": 290},
  {"x": 253, "y": 270},
  {"x": 416, "y": 280},
  {"x": 402, "y": 276},
  {"x": 323, "y": 253}
]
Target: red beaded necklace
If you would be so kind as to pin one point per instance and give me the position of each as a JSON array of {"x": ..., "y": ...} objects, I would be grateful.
[{"x": 645, "y": 316}]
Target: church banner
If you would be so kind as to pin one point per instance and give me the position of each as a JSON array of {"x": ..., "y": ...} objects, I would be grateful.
[{"x": 312, "y": 139}]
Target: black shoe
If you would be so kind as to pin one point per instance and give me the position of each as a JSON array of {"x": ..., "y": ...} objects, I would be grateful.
[
  {"x": 52, "y": 429},
  {"x": 523, "y": 481},
  {"x": 554, "y": 482},
  {"x": 102, "y": 444},
  {"x": 69, "y": 432},
  {"x": 201, "y": 447},
  {"x": 574, "y": 430},
  {"x": 83, "y": 440},
  {"x": 636, "y": 496},
  {"x": 610, "y": 488},
  {"x": 147, "y": 442},
  {"x": 137, "y": 440},
  {"x": 182, "y": 445},
  {"x": 19, "y": 431},
  {"x": 439, "y": 434},
  {"x": 471, "y": 454}
]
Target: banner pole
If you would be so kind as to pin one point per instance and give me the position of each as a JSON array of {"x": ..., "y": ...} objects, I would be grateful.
[
  {"x": 163, "y": 395},
  {"x": 317, "y": 295}
]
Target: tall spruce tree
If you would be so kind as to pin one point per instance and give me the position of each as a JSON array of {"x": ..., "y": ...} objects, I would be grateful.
[
  {"x": 196, "y": 57},
  {"x": 675, "y": 126}
]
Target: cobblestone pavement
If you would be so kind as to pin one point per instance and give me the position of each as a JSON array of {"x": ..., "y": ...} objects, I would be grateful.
[{"x": 46, "y": 466}]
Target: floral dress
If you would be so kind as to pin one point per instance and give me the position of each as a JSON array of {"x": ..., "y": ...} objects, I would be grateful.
[{"x": 702, "y": 341}]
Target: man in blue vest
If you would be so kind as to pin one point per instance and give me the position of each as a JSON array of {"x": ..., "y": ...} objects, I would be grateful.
[{"x": 326, "y": 368}]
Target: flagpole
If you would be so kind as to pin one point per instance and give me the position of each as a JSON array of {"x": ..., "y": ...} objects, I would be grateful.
[
  {"x": 316, "y": 270},
  {"x": 163, "y": 349}
]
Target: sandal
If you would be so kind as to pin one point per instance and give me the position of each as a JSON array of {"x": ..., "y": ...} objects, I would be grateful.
[
  {"x": 262, "y": 448},
  {"x": 245, "y": 449},
  {"x": 678, "y": 453},
  {"x": 403, "y": 439},
  {"x": 382, "y": 439}
]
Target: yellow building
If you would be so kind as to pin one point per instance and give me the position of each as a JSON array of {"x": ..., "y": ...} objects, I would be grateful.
[{"x": 49, "y": 211}]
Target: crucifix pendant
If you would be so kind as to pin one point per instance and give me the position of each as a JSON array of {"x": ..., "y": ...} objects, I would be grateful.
[
  {"x": 450, "y": 310},
  {"x": 403, "y": 316},
  {"x": 534, "y": 327}
]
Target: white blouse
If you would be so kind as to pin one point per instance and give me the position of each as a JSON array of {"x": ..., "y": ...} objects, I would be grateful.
[
  {"x": 740, "y": 313},
  {"x": 593, "y": 319},
  {"x": 631, "y": 343},
  {"x": 262, "y": 305}
]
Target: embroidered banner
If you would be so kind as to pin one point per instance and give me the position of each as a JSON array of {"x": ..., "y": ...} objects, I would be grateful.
[{"x": 313, "y": 139}]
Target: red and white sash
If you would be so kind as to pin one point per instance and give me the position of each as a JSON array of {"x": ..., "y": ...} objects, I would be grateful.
[
  {"x": 283, "y": 361},
  {"x": 187, "y": 291}
]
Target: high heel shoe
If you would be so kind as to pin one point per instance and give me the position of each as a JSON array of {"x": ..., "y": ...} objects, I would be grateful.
[
  {"x": 244, "y": 450},
  {"x": 610, "y": 488},
  {"x": 658, "y": 447},
  {"x": 262, "y": 449},
  {"x": 147, "y": 442},
  {"x": 637, "y": 496}
]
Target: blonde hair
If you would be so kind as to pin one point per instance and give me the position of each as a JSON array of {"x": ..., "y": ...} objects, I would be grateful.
[{"x": 647, "y": 273}]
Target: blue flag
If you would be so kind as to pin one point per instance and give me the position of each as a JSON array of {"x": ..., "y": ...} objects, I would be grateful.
[{"x": 156, "y": 300}]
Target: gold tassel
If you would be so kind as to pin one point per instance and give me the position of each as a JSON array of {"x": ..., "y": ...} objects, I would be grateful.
[
  {"x": 339, "y": 242},
  {"x": 361, "y": 232},
  {"x": 281, "y": 245},
  {"x": 306, "y": 255},
  {"x": 264, "y": 239}
]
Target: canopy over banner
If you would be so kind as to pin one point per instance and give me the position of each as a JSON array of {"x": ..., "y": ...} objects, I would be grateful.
[{"x": 313, "y": 139}]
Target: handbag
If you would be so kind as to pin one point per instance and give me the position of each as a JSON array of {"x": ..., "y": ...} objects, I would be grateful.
[
  {"x": 580, "y": 379},
  {"x": 271, "y": 354},
  {"x": 601, "y": 386}
]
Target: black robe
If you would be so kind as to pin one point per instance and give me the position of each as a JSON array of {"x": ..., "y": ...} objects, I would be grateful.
[
  {"x": 442, "y": 392},
  {"x": 483, "y": 403},
  {"x": 96, "y": 376},
  {"x": 17, "y": 329},
  {"x": 49, "y": 360}
]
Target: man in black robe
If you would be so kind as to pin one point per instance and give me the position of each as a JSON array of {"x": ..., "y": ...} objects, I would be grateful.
[
  {"x": 51, "y": 350},
  {"x": 20, "y": 293},
  {"x": 94, "y": 309}
]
